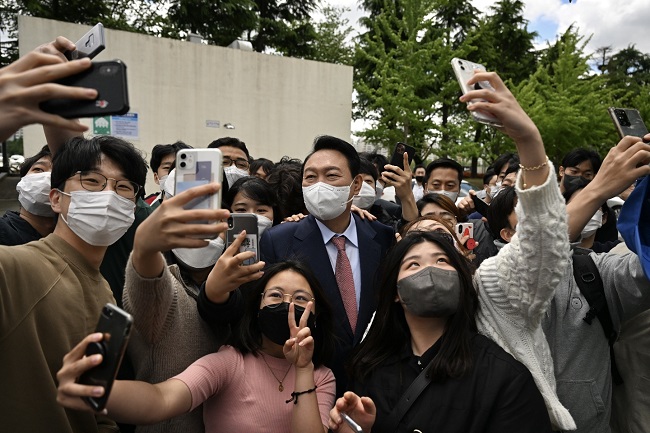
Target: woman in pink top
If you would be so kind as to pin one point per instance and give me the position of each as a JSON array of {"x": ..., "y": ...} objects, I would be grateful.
[{"x": 271, "y": 378}]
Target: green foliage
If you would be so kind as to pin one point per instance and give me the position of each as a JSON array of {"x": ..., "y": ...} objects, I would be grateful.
[
  {"x": 396, "y": 106},
  {"x": 331, "y": 42}
]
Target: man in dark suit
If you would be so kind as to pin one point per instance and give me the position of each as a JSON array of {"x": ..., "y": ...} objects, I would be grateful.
[{"x": 343, "y": 250}]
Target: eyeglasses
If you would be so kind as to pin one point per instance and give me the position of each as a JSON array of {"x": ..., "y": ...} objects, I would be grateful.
[
  {"x": 95, "y": 182},
  {"x": 240, "y": 163},
  {"x": 274, "y": 297}
]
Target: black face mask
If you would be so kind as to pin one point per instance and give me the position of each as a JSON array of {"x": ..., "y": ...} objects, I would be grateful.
[
  {"x": 419, "y": 179},
  {"x": 574, "y": 182},
  {"x": 273, "y": 322}
]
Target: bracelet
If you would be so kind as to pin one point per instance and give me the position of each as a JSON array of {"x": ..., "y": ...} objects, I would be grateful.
[
  {"x": 537, "y": 167},
  {"x": 295, "y": 394}
]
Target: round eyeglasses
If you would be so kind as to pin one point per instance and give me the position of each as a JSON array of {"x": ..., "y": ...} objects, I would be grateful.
[
  {"x": 240, "y": 163},
  {"x": 275, "y": 297},
  {"x": 95, "y": 182}
]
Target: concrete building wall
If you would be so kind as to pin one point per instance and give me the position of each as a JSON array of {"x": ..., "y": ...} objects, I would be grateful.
[{"x": 276, "y": 104}]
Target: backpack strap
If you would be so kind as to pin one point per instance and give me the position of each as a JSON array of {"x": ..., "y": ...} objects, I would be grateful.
[
  {"x": 408, "y": 398},
  {"x": 591, "y": 286}
]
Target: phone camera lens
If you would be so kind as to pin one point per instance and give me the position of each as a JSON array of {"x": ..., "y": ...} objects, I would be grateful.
[
  {"x": 107, "y": 70},
  {"x": 183, "y": 164},
  {"x": 183, "y": 155}
]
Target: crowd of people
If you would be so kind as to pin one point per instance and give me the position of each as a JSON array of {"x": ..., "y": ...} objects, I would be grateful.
[{"x": 361, "y": 310}]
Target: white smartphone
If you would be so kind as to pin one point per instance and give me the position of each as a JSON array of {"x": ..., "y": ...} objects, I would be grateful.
[
  {"x": 90, "y": 44},
  {"x": 196, "y": 167},
  {"x": 464, "y": 70},
  {"x": 466, "y": 229}
]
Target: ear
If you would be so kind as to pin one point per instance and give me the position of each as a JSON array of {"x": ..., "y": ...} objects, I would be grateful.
[
  {"x": 156, "y": 178},
  {"x": 55, "y": 200},
  {"x": 561, "y": 171},
  {"x": 356, "y": 184},
  {"x": 507, "y": 234}
]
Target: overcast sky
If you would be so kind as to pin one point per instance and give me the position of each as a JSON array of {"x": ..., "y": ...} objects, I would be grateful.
[{"x": 611, "y": 22}]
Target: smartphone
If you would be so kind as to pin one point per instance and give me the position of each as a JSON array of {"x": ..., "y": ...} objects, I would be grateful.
[
  {"x": 353, "y": 425},
  {"x": 466, "y": 229},
  {"x": 115, "y": 324},
  {"x": 90, "y": 44},
  {"x": 196, "y": 167},
  {"x": 628, "y": 121},
  {"x": 480, "y": 206},
  {"x": 108, "y": 78},
  {"x": 244, "y": 221},
  {"x": 464, "y": 70},
  {"x": 398, "y": 155}
]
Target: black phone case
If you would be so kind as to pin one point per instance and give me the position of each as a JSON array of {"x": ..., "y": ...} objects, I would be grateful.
[
  {"x": 398, "y": 154},
  {"x": 244, "y": 221},
  {"x": 108, "y": 78},
  {"x": 628, "y": 121},
  {"x": 480, "y": 206},
  {"x": 115, "y": 324}
]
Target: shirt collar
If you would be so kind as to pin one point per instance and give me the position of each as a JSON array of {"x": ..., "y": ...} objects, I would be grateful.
[{"x": 350, "y": 233}]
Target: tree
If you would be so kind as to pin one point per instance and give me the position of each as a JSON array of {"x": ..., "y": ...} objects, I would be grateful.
[
  {"x": 393, "y": 101},
  {"x": 331, "y": 43}
]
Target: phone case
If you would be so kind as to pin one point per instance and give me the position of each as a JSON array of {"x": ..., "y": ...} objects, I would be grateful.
[
  {"x": 398, "y": 154},
  {"x": 108, "y": 78},
  {"x": 480, "y": 206},
  {"x": 244, "y": 221},
  {"x": 90, "y": 44},
  {"x": 464, "y": 70},
  {"x": 196, "y": 167},
  {"x": 115, "y": 324},
  {"x": 466, "y": 229},
  {"x": 628, "y": 121}
]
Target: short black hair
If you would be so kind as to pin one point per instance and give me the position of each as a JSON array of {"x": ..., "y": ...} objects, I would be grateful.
[
  {"x": 489, "y": 174},
  {"x": 246, "y": 335},
  {"x": 230, "y": 141},
  {"x": 27, "y": 164},
  {"x": 444, "y": 163},
  {"x": 367, "y": 167},
  {"x": 377, "y": 159},
  {"x": 160, "y": 151},
  {"x": 256, "y": 189},
  {"x": 81, "y": 154},
  {"x": 500, "y": 209},
  {"x": 286, "y": 181},
  {"x": 579, "y": 155},
  {"x": 505, "y": 159},
  {"x": 327, "y": 142},
  {"x": 266, "y": 165}
]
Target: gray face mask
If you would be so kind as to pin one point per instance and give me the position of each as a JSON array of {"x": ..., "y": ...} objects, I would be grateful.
[{"x": 431, "y": 292}]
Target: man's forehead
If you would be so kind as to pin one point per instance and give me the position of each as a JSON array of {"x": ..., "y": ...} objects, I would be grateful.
[
  {"x": 445, "y": 173},
  {"x": 231, "y": 152},
  {"x": 326, "y": 159}
]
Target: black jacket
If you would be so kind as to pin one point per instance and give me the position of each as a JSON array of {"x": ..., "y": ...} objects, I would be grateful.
[
  {"x": 16, "y": 231},
  {"x": 497, "y": 395}
]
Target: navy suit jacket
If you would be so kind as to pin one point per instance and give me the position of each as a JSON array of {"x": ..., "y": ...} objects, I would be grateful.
[{"x": 303, "y": 241}]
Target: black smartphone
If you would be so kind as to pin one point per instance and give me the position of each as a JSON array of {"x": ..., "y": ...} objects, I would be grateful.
[
  {"x": 108, "y": 78},
  {"x": 115, "y": 324},
  {"x": 90, "y": 44},
  {"x": 628, "y": 121},
  {"x": 480, "y": 206},
  {"x": 398, "y": 154},
  {"x": 244, "y": 221}
]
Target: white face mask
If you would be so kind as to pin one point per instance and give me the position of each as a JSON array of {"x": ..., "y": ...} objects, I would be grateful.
[
  {"x": 379, "y": 190},
  {"x": 450, "y": 194},
  {"x": 494, "y": 189},
  {"x": 594, "y": 224},
  {"x": 233, "y": 174},
  {"x": 99, "y": 218},
  {"x": 366, "y": 197},
  {"x": 161, "y": 181},
  {"x": 325, "y": 201},
  {"x": 34, "y": 194},
  {"x": 263, "y": 223},
  {"x": 169, "y": 187},
  {"x": 200, "y": 258}
]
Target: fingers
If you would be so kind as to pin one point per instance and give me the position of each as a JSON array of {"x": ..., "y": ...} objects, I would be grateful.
[
  {"x": 31, "y": 61},
  {"x": 195, "y": 192},
  {"x": 491, "y": 77},
  {"x": 305, "y": 314},
  {"x": 292, "y": 317},
  {"x": 407, "y": 166},
  {"x": 80, "y": 349},
  {"x": 53, "y": 72},
  {"x": 233, "y": 249},
  {"x": 368, "y": 405}
]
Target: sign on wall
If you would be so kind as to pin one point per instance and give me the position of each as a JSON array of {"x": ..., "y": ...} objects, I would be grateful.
[{"x": 125, "y": 126}]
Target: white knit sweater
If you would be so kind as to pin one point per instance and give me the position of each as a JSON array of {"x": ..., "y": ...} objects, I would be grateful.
[{"x": 516, "y": 286}]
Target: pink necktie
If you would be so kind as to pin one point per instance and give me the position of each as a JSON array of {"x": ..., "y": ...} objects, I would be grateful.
[{"x": 345, "y": 281}]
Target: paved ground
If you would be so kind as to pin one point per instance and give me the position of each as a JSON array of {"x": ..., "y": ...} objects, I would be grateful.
[{"x": 8, "y": 194}]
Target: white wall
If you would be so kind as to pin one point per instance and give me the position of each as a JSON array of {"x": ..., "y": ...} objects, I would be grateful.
[{"x": 277, "y": 104}]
